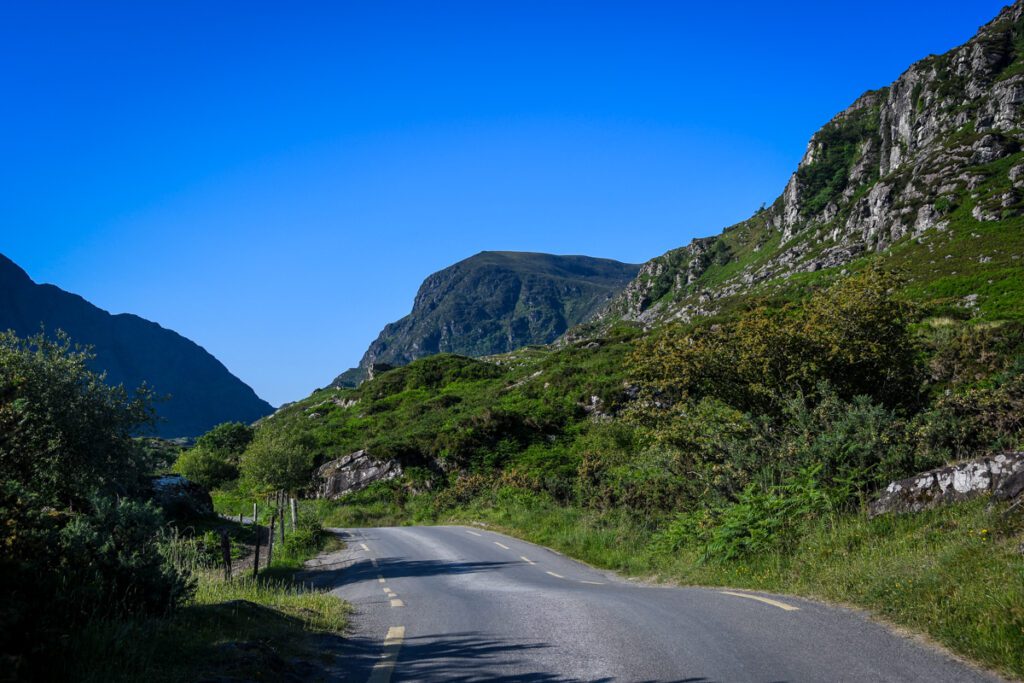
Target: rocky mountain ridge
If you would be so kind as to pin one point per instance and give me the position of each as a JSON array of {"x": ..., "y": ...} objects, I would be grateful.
[
  {"x": 905, "y": 171},
  {"x": 495, "y": 302},
  {"x": 132, "y": 350}
]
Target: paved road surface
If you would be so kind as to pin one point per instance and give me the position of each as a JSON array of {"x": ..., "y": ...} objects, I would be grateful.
[{"x": 466, "y": 604}]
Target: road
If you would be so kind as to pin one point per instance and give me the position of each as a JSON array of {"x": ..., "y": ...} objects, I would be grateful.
[{"x": 467, "y": 604}]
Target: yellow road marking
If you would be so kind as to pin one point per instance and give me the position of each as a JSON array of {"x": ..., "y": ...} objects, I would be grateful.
[
  {"x": 395, "y": 602},
  {"x": 593, "y": 583},
  {"x": 527, "y": 560},
  {"x": 383, "y": 669},
  {"x": 767, "y": 601},
  {"x": 363, "y": 546},
  {"x": 557, "y": 576},
  {"x": 380, "y": 579},
  {"x": 501, "y": 545},
  {"x": 473, "y": 532},
  {"x": 389, "y": 591}
]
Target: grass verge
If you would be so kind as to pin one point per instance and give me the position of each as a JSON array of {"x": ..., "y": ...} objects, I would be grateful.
[{"x": 266, "y": 628}]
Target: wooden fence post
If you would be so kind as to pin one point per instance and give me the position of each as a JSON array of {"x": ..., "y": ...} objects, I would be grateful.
[
  {"x": 280, "y": 511},
  {"x": 270, "y": 539},
  {"x": 225, "y": 551},
  {"x": 256, "y": 555}
]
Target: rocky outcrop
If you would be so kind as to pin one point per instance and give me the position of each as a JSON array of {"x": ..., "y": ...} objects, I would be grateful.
[
  {"x": 1001, "y": 475},
  {"x": 494, "y": 302},
  {"x": 351, "y": 473},
  {"x": 891, "y": 168},
  {"x": 180, "y": 498}
]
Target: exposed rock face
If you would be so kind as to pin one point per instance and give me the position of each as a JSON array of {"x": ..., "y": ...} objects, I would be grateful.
[
  {"x": 1001, "y": 475},
  {"x": 890, "y": 169},
  {"x": 131, "y": 350},
  {"x": 351, "y": 473},
  {"x": 492, "y": 303},
  {"x": 181, "y": 498}
]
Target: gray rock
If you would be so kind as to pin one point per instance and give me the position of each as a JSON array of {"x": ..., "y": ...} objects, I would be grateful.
[
  {"x": 1001, "y": 475},
  {"x": 351, "y": 473}
]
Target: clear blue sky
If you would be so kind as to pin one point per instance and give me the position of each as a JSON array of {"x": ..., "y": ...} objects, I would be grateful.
[{"x": 274, "y": 180}]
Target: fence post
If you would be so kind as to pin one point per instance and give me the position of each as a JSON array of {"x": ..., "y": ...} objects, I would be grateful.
[
  {"x": 295, "y": 512},
  {"x": 255, "y": 519},
  {"x": 270, "y": 540},
  {"x": 280, "y": 511},
  {"x": 256, "y": 555},
  {"x": 225, "y": 551}
]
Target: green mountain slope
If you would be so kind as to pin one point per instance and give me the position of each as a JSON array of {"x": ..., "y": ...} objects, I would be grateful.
[
  {"x": 927, "y": 173},
  {"x": 132, "y": 350},
  {"x": 494, "y": 302}
]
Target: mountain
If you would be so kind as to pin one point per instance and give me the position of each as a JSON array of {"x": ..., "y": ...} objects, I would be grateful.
[
  {"x": 927, "y": 172},
  {"x": 494, "y": 302},
  {"x": 132, "y": 350}
]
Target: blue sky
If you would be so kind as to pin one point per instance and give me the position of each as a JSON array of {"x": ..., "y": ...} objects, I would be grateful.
[{"x": 274, "y": 180}]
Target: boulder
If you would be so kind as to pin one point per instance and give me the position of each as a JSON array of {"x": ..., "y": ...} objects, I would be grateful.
[
  {"x": 353, "y": 472},
  {"x": 181, "y": 498},
  {"x": 1001, "y": 475}
]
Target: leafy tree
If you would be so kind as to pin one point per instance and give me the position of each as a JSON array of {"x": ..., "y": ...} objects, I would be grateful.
[
  {"x": 207, "y": 467},
  {"x": 213, "y": 461},
  {"x": 227, "y": 437},
  {"x": 64, "y": 433},
  {"x": 78, "y": 543},
  {"x": 277, "y": 460},
  {"x": 855, "y": 336}
]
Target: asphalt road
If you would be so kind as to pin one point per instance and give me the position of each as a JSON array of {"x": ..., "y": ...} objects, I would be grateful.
[{"x": 466, "y": 604}]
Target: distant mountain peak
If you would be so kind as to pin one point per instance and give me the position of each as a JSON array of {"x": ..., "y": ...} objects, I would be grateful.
[
  {"x": 493, "y": 302},
  {"x": 132, "y": 350}
]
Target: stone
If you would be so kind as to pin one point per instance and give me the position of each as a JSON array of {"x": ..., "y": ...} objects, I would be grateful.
[
  {"x": 180, "y": 498},
  {"x": 1000, "y": 475},
  {"x": 351, "y": 473}
]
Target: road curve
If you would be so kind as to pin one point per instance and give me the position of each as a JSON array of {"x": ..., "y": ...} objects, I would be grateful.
[{"x": 465, "y": 604}]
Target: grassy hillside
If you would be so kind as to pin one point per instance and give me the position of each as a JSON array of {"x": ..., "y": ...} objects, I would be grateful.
[{"x": 740, "y": 450}]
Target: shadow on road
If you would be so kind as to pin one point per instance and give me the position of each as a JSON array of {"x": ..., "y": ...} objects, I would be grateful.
[
  {"x": 394, "y": 568},
  {"x": 462, "y": 657}
]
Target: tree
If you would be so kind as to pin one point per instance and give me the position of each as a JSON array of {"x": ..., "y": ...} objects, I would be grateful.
[
  {"x": 854, "y": 336},
  {"x": 227, "y": 437},
  {"x": 214, "y": 460},
  {"x": 64, "y": 433},
  {"x": 207, "y": 467},
  {"x": 78, "y": 541},
  {"x": 277, "y": 460}
]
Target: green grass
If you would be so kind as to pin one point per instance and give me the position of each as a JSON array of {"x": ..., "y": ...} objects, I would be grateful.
[
  {"x": 955, "y": 573},
  {"x": 195, "y": 642},
  {"x": 248, "y": 628}
]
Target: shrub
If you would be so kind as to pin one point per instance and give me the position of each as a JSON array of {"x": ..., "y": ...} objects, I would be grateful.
[
  {"x": 63, "y": 432},
  {"x": 206, "y": 467},
  {"x": 854, "y": 335},
  {"x": 61, "y": 570},
  {"x": 278, "y": 460}
]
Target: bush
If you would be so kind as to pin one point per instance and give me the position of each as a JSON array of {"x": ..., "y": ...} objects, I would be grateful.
[
  {"x": 209, "y": 468},
  {"x": 855, "y": 336},
  {"x": 77, "y": 545},
  {"x": 277, "y": 460},
  {"x": 65, "y": 433},
  {"x": 62, "y": 570}
]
